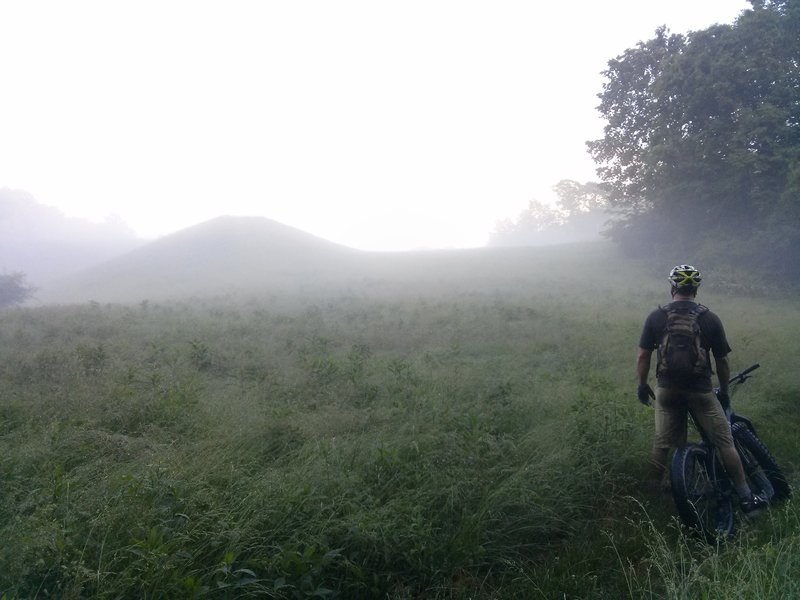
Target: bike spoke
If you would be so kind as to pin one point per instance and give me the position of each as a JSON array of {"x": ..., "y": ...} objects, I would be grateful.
[{"x": 702, "y": 500}]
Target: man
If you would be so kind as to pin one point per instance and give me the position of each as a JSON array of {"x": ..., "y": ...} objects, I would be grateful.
[{"x": 683, "y": 376}]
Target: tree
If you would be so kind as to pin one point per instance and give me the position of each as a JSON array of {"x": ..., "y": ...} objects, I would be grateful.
[
  {"x": 579, "y": 215},
  {"x": 702, "y": 141},
  {"x": 577, "y": 199},
  {"x": 14, "y": 290},
  {"x": 629, "y": 106}
]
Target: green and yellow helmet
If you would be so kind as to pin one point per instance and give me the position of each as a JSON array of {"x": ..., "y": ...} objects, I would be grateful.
[{"x": 685, "y": 276}]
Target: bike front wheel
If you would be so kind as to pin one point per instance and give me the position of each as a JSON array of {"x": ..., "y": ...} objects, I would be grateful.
[
  {"x": 762, "y": 471},
  {"x": 702, "y": 491}
]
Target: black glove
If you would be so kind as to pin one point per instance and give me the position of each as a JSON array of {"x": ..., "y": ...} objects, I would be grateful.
[
  {"x": 723, "y": 398},
  {"x": 644, "y": 393}
]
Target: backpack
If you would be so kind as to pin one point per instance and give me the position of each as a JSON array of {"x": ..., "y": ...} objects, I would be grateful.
[{"x": 680, "y": 353}]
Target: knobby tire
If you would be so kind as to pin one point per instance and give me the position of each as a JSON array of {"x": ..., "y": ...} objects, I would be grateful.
[{"x": 762, "y": 471}]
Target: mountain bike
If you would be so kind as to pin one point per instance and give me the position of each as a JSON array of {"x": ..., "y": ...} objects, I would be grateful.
[{"x": 704, "y": 494}]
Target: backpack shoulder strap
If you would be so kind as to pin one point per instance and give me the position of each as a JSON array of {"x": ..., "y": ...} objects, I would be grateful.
[{"x": 698, "y": 309}]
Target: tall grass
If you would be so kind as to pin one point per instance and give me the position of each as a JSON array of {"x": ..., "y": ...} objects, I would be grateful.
[{"x": 468, "y": 434}]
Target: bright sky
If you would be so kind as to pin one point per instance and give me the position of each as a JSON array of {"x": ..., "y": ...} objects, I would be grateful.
[{"x": 380, "y": 125}]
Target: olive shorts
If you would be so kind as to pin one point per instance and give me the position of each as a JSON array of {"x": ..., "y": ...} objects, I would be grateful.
[{"x": 671, "y": 407}]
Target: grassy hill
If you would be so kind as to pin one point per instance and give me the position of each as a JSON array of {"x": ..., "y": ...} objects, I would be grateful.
[
  {"x": 236, "y": 256},
  {"x": 222, "y": 255},
  {"x": 424, "y": 425}
]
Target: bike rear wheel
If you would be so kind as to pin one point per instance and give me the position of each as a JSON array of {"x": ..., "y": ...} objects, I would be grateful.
[
  {"x": 762, "y": 471},
  {"x": 702, "y": 491}
]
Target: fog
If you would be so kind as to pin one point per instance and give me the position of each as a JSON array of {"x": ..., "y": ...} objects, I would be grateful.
[
  {"x": 41, "y": 242},
  {"x": 256, "y": 257},
  {"x": 72, "y": 260}
]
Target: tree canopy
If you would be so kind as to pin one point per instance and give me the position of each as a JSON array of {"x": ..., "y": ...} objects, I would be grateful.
[
  {"x": 701, "y": 147},
  {"x": 579, "y": 215},
  {"x": 14, "y": 290}
]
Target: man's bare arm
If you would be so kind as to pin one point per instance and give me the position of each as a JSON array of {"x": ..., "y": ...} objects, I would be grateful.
[
  {"x": 723, "y": 373},
  {"x": 643, "y": 364}
]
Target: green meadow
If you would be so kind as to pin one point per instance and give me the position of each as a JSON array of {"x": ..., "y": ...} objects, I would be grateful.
[{"x": 454, "y": 425}]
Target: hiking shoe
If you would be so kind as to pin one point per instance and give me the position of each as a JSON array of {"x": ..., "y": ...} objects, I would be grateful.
[{"x": 753, "y": 507}]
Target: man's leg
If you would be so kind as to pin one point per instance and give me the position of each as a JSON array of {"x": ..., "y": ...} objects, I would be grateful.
[
  {"x": 658, "y": 468},
  {"x": 733, "y": 466},
  {"x": 709, "y": 413},
  {"x": 670, "y": 421}
]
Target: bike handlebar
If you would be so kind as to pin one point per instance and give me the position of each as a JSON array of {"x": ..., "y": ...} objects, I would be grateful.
[{"x": 744, "y": 375}]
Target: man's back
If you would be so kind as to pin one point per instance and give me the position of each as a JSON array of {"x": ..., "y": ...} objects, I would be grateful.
[{"x": 712, "y": 338}]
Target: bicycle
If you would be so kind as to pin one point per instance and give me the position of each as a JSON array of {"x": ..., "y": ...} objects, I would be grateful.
[{"x": 704, "y": 494}]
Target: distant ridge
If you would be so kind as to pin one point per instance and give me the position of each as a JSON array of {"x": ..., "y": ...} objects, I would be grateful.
[
  {"x": 225, "y": 238},
  {"x": 223, "y": 254},
  {"x": 246, "y": 257}
]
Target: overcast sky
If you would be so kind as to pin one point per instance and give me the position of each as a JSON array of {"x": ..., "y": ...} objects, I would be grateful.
[{"x": 380, "y": 125}]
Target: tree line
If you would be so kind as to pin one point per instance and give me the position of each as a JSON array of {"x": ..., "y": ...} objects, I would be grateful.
[
  {"x": 14, "y": 289},
  {"x": 700, "y": 154},
  {"x": 580, "y": 214},
  {"x": 701, "y": 147}
]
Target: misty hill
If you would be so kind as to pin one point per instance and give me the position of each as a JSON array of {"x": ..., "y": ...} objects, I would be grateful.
[
  {"x": 257, "y": 256},
  {"x": 224, "y": 255},
  {"x": 45, "y": 245}
]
